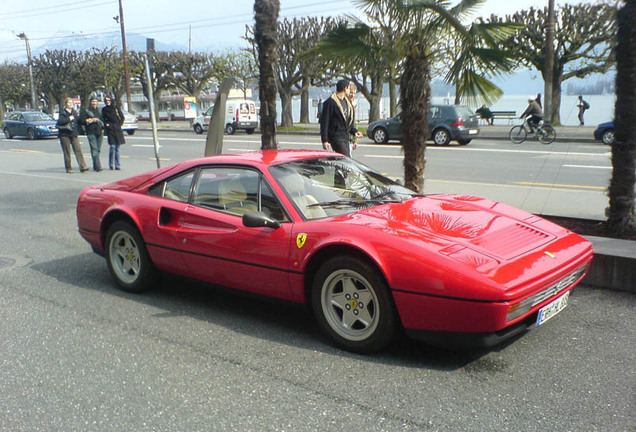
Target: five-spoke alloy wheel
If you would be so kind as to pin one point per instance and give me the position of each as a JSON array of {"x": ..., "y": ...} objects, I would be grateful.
[
  {"x": 128, "y": 259},
  {"x": 353, "y": 305}
]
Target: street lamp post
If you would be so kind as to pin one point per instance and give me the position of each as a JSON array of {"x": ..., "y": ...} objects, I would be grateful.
[{"x": 34, "y": 101}]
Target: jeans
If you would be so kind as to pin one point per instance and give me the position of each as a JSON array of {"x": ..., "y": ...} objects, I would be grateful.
[
  {"x": 113, "y": 157},
  {"x": 95, "y": 143}
]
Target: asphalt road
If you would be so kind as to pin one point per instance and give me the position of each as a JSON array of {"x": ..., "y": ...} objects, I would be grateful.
[{"x": 78, "y": 354}]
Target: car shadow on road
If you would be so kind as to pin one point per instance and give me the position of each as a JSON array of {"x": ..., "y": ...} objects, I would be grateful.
[{"x": 252, "y": 315}]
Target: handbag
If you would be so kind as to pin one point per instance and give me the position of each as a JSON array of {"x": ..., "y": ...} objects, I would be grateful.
[{"x": 65, "y": 127}]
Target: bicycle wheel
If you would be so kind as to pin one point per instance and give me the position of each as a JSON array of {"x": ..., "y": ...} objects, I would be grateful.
[
  {"x": 546, "y": 134},
  {"x": 517, "y": 134}
]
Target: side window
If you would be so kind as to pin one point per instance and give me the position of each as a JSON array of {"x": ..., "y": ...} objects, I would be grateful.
[
  {"x": 236, "y": 191},
  {"x": 177, "y": 188}
]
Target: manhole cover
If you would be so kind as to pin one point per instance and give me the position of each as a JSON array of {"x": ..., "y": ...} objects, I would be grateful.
[{"x": 6, "y": 262}]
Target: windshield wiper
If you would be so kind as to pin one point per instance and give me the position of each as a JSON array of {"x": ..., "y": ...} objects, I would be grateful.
[{"x": 380, "y": 199}]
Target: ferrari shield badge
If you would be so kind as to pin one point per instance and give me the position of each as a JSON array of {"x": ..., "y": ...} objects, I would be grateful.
[{"x": 301, "y": 239}]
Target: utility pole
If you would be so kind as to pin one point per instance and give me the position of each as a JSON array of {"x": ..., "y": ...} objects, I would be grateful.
[
  {"x": 189, "y": 39},
  {"x": 125, "y": 54},
  {"x": 549, "y": 62},
  {"x": 34, "y": 100}
]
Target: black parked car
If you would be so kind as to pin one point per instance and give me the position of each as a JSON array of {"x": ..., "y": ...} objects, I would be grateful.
[
  {"x": 446, "y": 123},
  {"x": 605, "y": 132},
  {"x": 31, "y": 124}
]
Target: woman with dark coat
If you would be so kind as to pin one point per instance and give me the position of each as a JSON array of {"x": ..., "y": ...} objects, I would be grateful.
[
  {"x": 68, "y": 134},
  {"x": 113, "y": 120}
]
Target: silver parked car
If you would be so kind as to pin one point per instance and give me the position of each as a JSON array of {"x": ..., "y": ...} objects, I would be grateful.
[{"x": 446, "y": 123}]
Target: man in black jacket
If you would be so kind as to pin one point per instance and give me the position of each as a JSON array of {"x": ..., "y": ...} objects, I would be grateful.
[
  {"x": 337, "y": 120},
  {"x": 91, "y": 119}
]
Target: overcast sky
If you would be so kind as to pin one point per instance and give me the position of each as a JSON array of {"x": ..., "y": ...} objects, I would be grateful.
[{"x": 211, "y": 24}]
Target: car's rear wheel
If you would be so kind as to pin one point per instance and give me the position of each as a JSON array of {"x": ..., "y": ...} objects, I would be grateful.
[
  {"x": 441, "y": 137},
  {"x": 249, "y": 131},
  {"x": 607, "y": 137},
  {"x": 198, "y": 129},
  {"x": 130, "y": 131},
  {"x": 464, "y": 141},
  {"x": 352, "y": 304},
  {"x": 229, "y": 129},
  {"x": 380, "y": 136},
  {"x": 128, "y": 259},
  {"x": 30, "y": 134},
  {"x": 7, "y": 134}
]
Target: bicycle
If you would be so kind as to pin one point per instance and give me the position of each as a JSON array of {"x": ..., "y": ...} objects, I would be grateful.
[{"x": 543, "y": 131}]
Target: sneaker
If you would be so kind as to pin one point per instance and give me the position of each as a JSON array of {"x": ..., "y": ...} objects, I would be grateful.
[
  {"x": 69, "y": 170},
  {"x": 83, "y": 169}
]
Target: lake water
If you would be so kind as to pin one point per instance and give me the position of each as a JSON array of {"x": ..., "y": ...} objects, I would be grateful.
[{"x": 601, "y": 108}]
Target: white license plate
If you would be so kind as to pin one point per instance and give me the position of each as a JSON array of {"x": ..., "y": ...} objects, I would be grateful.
[
  {"x": 553, "y": 308},
  {"x": 472, "y": 131}
]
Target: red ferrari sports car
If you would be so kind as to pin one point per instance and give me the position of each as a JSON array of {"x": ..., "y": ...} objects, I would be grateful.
[{"x": 371, "y": 257}]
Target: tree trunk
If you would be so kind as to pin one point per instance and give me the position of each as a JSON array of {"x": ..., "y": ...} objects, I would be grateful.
[
  {"x": 392, "y": 98},
  {"x": 286, "y": 119},
  {"x": 621, "y": 219},
  {"x": 555, "y": 106},
  {"x": 265, "y": 27},
  {"x": 375, "y": 97},
  {"x": 415, "y": 96},
  {"x": 304, "y": 102}
]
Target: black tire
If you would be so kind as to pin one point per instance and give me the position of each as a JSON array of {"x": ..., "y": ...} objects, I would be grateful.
[
  {"x": 441, "y": 137},
  {"x": 517, "y": 134},
  {"x": 464, "y": 141},
  {"x": 198, "y": 129},
  {"x": 230, "y": 129},
  {"x": 249, "y": 131},
  {"x": 30, "y": 134},
  {"x": 128, "y": 260},
  {"x": 380, "y": 135},
  {"x": 130, "y": 131},
  {"x": 7, "y": 134},
  {"x": 546, "y": 134},
  {"x": 607, "y": 137},
  {"x": 352, "y": 304}
]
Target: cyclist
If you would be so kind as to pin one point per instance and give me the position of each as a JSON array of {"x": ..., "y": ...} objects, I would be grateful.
[{"x": 535, "y": 113}]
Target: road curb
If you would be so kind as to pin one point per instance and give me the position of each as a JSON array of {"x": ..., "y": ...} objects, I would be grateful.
[{"x": 614, "y": 264}]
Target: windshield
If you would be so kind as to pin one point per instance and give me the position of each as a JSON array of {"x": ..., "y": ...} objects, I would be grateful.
[
  {"x": 36, "y": 117},
  {"x": 324, "y": 187}
]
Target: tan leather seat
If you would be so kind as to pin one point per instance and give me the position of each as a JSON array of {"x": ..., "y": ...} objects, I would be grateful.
[
  {"x": 294, "y": 184},
  {"x": 233, "y": 197}
]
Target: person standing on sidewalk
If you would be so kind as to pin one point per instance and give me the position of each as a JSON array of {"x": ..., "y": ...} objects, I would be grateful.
[
  {"x": 113, "y": 118},
  {"x": 69, "y": 136},
  {"x": 583, "y": 106},
  {"x": 337, "y": 120},
  {"x": 91, "y": 118}
]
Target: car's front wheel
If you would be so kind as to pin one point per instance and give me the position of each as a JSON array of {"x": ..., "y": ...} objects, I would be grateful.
[
  {"x": 380, "y": 136},
  {"x": 7, "y": 134},
  {"x": 441, "y": 137},
  {"x": 128, "y": 259},
  {"x": 198, "y": 129},
  {"x": 130, "y": 131},
  {"x": 352, "y": 304},
  {"x": 608, "y": 137}
]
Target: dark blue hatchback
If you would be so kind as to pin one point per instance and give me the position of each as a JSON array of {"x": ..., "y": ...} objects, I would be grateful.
[
  {"x": 31, "y": 124},
  {"x": 605, "y": 132}
]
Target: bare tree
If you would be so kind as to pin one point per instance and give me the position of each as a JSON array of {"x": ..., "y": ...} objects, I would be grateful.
[
  {"x": 584, "y": 36},
  {"x": 14, "y": 85}
]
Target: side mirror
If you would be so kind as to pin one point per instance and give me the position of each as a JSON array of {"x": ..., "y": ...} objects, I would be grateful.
[{"x": 259, "y": 220}]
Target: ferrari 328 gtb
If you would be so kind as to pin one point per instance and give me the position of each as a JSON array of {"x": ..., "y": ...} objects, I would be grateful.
[{"x": 369, "y": 256}]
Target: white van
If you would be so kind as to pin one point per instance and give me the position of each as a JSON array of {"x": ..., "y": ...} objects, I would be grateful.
[{"x": 239, "y": 114}]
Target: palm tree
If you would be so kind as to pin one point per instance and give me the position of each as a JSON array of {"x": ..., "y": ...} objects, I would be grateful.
[
  {"x": 266, "y": 22},
  {"x": 423, "y": 23},
  {"x": 621, "y": 220},
  {"x": 411, "y": 44}
]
